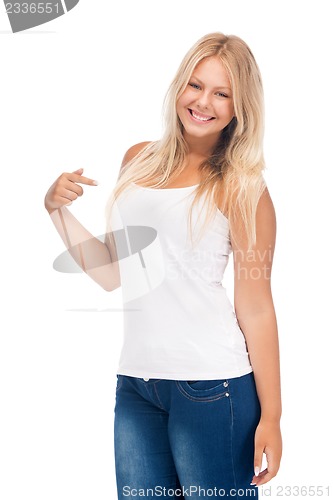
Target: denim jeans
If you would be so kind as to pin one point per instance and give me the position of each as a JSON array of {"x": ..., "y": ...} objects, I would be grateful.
[{"x": 185, "y": 439}]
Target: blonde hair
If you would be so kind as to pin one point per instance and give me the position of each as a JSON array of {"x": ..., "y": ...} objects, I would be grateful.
[{"x": 233, "y": 173}]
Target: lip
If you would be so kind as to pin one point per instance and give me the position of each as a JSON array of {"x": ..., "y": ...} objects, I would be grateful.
[{"x": 196, "y": 120}]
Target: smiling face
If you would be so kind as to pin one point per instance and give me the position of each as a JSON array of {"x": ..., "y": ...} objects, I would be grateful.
[{"x": 206, "y": 106}]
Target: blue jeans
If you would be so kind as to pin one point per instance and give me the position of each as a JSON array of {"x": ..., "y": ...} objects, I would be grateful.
[{"x": 185, "y": 439}]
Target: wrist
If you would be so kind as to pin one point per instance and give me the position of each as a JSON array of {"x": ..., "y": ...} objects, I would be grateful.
[
  {"x": 270, "y": 418},
  {"x": 48, "y": 208}
]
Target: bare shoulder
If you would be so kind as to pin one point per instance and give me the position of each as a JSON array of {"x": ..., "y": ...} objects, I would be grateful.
[
  {"x": 133, "y": 151},
  {"x": 265, "y": 225},
  {"x": 266, "y": 217}
]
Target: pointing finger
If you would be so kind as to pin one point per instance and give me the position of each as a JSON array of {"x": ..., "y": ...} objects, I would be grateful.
[{"x": 82, "y": 180}]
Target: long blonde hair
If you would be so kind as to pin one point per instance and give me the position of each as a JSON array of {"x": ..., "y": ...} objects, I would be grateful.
[{"x": 232, "y": 175}]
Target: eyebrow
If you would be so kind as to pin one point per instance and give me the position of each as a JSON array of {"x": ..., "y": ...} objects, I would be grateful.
[{"x": 215, "y": 88}]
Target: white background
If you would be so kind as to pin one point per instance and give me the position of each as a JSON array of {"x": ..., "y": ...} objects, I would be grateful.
[{"x": 77, "y": 92}]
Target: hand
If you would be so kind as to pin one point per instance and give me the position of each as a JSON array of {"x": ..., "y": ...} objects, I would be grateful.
[
  {"x": 66, "y": 189},
  {"x": 267, "y": 440}
]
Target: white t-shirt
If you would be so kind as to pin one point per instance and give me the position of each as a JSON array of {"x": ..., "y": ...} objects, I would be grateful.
[{"x": 179, "y": 323}]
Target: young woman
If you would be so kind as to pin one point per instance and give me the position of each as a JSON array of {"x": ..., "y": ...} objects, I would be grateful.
[{"x": 198, "y": 401}]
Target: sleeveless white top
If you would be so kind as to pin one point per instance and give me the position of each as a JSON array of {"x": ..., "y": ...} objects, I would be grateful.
[{"x": 178, "y": 321}]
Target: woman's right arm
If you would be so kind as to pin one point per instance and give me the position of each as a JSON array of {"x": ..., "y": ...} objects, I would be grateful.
[{"x": 97, "y": 259}]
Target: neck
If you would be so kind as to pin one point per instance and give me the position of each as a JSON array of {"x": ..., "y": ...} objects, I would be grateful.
[{"x": 200, "y": 147}]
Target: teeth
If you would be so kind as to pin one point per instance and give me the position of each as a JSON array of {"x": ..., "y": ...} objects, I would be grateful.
[{"x": 200, "y": 117}]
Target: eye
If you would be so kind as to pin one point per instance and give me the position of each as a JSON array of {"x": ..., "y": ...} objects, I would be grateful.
[
  {"x": 221, "y": 94},
  {"x": 194, "y": 85}
]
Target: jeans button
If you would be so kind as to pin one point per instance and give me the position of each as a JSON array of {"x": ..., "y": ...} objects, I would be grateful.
[
  {"x": 146, "y": 379},
  {"x": 225, "y": 384}
]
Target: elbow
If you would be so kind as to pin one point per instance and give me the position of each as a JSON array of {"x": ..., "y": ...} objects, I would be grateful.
[
  {"x": 107, "y": 277},
  {"x": 108, "y": 288},
  {"x": 110, "y": 285}
]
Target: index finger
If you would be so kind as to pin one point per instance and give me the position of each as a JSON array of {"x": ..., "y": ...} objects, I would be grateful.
[{"x": 81, "y": 179}]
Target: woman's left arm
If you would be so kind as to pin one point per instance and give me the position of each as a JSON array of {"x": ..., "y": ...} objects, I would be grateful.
[{"x": 255, "y": 313}]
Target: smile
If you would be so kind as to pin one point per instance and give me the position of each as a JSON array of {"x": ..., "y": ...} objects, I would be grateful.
[{"x": 199, "y": 117}]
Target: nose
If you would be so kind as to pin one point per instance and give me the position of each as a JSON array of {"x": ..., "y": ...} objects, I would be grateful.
[{"x": 203, "y": 100}]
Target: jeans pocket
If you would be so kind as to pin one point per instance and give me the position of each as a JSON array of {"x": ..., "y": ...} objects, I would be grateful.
[
  {"x": 205, "y": 384},
  {"x": 204, "y": 390}
]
